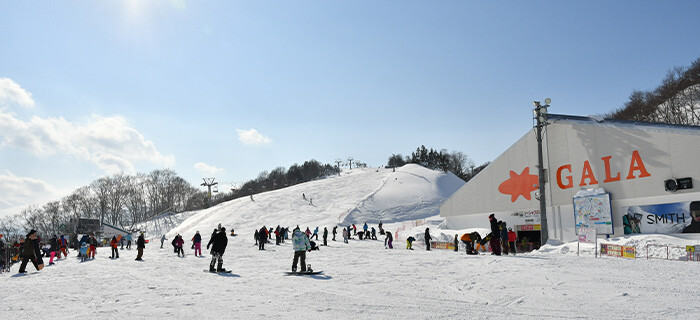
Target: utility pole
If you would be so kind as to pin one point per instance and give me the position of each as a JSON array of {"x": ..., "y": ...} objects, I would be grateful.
[
  {"x": 540, "y": 113},
  {"x": 209, "y": 182}
]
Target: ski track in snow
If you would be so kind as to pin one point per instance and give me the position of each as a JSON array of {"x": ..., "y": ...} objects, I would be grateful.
[{"x": 360, "y": 280}]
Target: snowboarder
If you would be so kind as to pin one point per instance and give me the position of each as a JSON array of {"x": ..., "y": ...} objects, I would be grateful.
[
  {"x": 218, "y": 247},
  {"x": 162, "y": 240},
  {"x": 504, "y": 237},
  {"x": 28, "y": 252},
  {"x": 262, "y": 235},
  {"x": 345, "y": 235},
  {"x": 381, "y": 230},
  {"x": 315, "y": 234},
  {"x": 365, "y": 228},
  {"x": 495, "y": 242},
  {"x": 114, "y": 244},
  {"x": 409, "y": 242},
  {"x": 255, "y": 236},
  {"x": 374, "y": 234},
  {"x": 325, "y": 236},
  {"x": 197, "y": 239},
  {"x": 388, "y": 241},
  {"x": 53, "y": 249},
  {"x": 427, "y": 239},
  {"x": 128, "y": 241},
  {"x": 140, "y": 245},
  {"x": 179, "y": 242},
  {"x": 467, "y": 240},
  {"x": 512, "y": 237},
  {"x": 63, "y": 245},
  {"x": 354, "y": 230},
  {"x": 456, "y": 243},
  {"x": 301, "y": 245},
  {"x": 335, "y": 230}
]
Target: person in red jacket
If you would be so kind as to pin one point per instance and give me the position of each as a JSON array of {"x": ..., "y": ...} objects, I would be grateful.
[
  {"x": 115, "y": 251},
  {"x": 512, "y": 237}
]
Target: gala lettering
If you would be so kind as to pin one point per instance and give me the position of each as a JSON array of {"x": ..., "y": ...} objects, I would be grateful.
[{"x": 588, "y": 176}]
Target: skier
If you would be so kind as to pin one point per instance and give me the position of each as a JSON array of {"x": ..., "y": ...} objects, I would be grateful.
[
  {"x": 197, "y": 239},
  {"x": 162, "y": 240},
  {"x": 301, "y": 245},
  {"x": 389, "y": 239},
  {"x": 345, "y": 235},
  {"x": 115, "y": 252},
  {"x": 335, "y": 230},
  {"x": 140, "y": 245},
  {"x": 495, "y": 242},
  {"x": 325, "y": 236},
  {"x": 219, "y": 242},
  {"x": 427, "y": 239}
]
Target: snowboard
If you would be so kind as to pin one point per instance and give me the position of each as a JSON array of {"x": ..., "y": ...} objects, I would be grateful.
[
  {"x": 291, "y": 273},
  {"x": 227, "y": 271}
]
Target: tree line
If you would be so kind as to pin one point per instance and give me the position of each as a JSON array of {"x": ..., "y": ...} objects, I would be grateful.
[
  {"x": 675, "y": 101},
  {"x": 125, "y": 200},
  {"x": 456, "y": 161}
]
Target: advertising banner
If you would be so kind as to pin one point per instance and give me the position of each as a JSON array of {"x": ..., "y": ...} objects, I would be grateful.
[
  {"x": 666, "y": 218},
  {"x": 586, "y": 235},
  {"x": 617, "y": 251},
  {"x": 442, "y": 245},
  {"x": 593, "y": 211}
]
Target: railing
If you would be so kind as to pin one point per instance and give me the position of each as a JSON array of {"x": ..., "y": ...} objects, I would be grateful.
[
  {"x": 677, "y": 253},
  {"x": 408, "y": 224}
]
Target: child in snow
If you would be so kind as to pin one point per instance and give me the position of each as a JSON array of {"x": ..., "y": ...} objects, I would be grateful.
[{"x": 83, "y": 252}]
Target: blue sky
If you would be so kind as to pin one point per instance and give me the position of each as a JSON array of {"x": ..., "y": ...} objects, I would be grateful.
[{"x": 228, "y": 89}]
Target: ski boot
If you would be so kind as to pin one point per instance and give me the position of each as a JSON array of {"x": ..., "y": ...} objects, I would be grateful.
[{"x": 308, "y": 268}]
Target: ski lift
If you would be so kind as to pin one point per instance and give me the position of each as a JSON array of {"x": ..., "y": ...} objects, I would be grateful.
[{"x": 216, "y": 189}]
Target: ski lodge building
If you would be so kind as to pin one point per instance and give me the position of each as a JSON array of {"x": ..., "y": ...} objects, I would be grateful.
[{"x": 647, "y": 174}]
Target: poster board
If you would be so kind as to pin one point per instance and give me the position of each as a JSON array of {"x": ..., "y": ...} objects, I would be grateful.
[
  {"x": 593, "y": 211},
  {"x": 587, "y": 235},
  {"x": 664, "y": 218}
]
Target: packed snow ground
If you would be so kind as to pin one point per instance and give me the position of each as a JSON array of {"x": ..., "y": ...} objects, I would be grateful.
[{"x": 361, "y": 279}]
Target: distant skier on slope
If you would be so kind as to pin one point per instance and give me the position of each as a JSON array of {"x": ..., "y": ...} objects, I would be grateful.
[
  {"x": 218, "y": 247},
  {"x": 388, "y": 241},
  {"x": 427, "y": 239}
]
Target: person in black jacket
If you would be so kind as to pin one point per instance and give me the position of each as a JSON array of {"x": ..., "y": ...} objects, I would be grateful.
[
  {"x": 694, "y": 226},
  {"x": 218, "y": 247},
  {"x": 28, "y": 252},
  {"x": 140, "y": 245},
  {"x": 427, "y": 239},
  {"x": 495, "y": 241}
]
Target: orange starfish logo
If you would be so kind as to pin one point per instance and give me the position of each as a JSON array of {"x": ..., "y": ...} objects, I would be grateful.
[{"x": 519, "y": 184}]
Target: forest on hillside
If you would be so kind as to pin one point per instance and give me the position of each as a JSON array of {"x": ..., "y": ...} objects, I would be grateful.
[{"x": 675, "y": 101}]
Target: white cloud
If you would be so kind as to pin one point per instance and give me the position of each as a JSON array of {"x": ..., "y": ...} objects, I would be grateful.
[
  {"x": 19, "y": 192},
  {"x": 252, "y": 137},
  {"x": 12, "y": 92},
  {"x": 108, "y": 142},
  {"x": 208, "y": 170}
]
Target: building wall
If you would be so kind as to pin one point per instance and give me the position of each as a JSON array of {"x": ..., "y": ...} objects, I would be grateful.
[{"x": 629, "y": 161}]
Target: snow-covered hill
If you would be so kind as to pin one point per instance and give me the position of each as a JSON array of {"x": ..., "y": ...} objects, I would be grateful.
[{"x": 356, "y": 196}]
